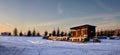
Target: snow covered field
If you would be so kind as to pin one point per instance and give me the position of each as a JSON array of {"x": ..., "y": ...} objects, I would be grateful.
[{"x": 39, "y": 46}]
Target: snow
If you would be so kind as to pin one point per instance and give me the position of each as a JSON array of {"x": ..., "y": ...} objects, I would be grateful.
[{"x": 39, "y": 46}]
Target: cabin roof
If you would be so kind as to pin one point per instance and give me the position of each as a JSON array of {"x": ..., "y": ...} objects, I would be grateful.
[{"x": 82, "y": 26}]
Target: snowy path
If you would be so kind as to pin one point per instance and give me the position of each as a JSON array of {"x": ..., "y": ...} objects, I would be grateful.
[{"x": 38, "y": 46}]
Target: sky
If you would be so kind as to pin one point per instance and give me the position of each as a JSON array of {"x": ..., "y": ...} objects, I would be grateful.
[{"x": 48, "y": 15}]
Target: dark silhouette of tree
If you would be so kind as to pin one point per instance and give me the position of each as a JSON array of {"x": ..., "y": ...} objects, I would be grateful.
[
  {"x": 62, "y": 34},
  {"x": 117, "y": 32},
  {"x": 58, "y": 32},
  {"x": 15, "y": 32},
  {"x": 65, "y": 34},
  {"x": 54, "y": 33},
  {"x": 34, "y": 33},
  {"x": 97, "y": 33},
  {"x": 38, "y": 34},
  {"x": 50, "y": 34},
  {"x": 104, "y": 33},
  {"x": 69, "y": 34},
  {"x": 9, "y": 34},
  {"x": 21, "y": 34},
  {"x": 108, "y": 33},
  {"x": 45, "y": 33},
  {"x": 29, "y": 33},
  {"x": 101, "y": 33},
  {"x": 111, "y": 33}
]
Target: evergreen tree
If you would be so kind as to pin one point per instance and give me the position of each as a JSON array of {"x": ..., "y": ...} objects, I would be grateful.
[
  {"x": 112, "y": 32},
  {"x": 62, "y": 34},
  {"x": 69, "y": 34},
  {"x": 116, "y": 33},
  {"x": 9, "y": 34},
  {"x": 54, "y": 33},
  {"x": 119, "y": 33},
  {"x": 50, "y": 34},
  {"x": 38, "y": 34},
  {"x": 101, "y": 33},
  {"x": 108, "y": 33},
  {"x": 15, "y": 32},
  {"x": 58, "y": 32},
  {"x": 34, "y": 33},
  {"x": 97, "y": 33},
  {"x": 29, "y": 33},
  {"x": 65, "y": 34},
  {"x": 46, "y": 33},
  {"x": 104, "y": 33},
  {"x": 21, "y": 34}
]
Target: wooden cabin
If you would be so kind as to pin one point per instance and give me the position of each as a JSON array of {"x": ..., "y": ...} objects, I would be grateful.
[{"x": 81, "y": 32}]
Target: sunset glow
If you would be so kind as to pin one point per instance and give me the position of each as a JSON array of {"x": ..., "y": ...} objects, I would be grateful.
[{"x": 50, "y": 14}]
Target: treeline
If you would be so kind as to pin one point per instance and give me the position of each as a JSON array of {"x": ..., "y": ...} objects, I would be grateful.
[
  {"x": 108, "y": 33},
  {"x": 57, "y": 33},
  {"x": 46, "y": 33},
  {"x": 29, "y": 33}
]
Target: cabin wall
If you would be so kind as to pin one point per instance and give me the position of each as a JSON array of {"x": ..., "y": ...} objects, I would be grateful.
[{"x": 88, "y": 32}]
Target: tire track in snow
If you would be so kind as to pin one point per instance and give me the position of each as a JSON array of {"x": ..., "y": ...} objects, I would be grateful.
[
  {"x": 19, "y": 51},
  {"x": 40, "y": 51}
]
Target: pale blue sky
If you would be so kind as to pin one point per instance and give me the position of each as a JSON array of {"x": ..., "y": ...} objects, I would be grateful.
[{"x": 49, "y": 14}]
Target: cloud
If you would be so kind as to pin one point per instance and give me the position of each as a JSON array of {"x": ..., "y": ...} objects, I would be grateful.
[{"x": 60, "y": 10}]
